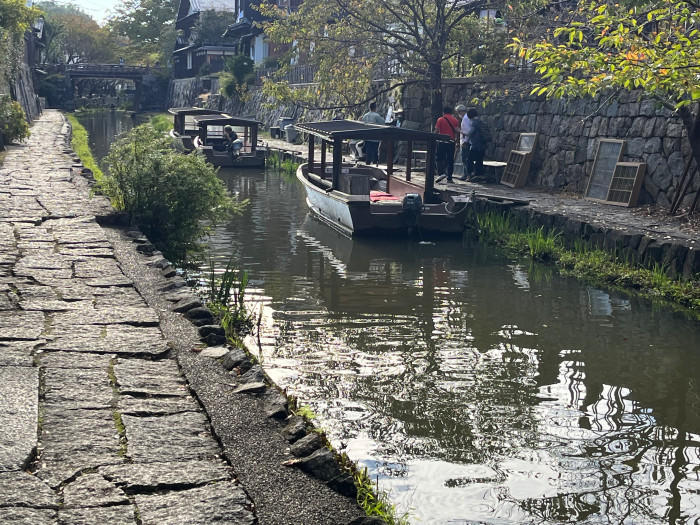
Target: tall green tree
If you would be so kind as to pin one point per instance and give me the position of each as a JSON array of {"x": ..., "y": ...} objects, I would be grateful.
[
  {"x": 353, "y": 42},
  {"x": 148, "y": 27},
  {"x": 73, "y": 36},
  {"x": 652, "y": 46}
]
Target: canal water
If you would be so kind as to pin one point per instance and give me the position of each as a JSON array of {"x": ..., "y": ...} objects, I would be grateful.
[{"x": 474, "y": 388}]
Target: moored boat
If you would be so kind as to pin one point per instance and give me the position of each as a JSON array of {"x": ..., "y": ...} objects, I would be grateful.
[
  {"x": 358, "y": 199},
  {"x": 185, "y": 127},
  {"x": 212, "y": 143}
]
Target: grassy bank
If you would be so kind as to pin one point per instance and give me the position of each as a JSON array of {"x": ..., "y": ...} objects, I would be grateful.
[
  {"x": 79, "y": 142},
  {"x": 588, "y": 262}
]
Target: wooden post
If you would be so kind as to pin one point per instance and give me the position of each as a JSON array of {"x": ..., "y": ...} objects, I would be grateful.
[
  {"x": 337, "y": 162},
  {"x": 253, "y": 138},
  {"x": 429, "y": 172},
  {"x": 311, "y": 155},
  {"x": 409, "y": 158},
  {"x": 389, "y": 162},
  {"x": 323, "y": 157}
]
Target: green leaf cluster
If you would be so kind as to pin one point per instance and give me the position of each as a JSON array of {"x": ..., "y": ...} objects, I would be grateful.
[
  {"x": 175, "y": 199},
  {"x": 13, "y": 123},
  {"x": 653, "y": 46}
]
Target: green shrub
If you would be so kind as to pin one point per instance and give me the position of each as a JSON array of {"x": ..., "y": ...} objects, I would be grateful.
[
  {"x": 175, "y": 199},
  {"x": 13, "y": 124},
  {"x": 237, "y": 75},
  {"x": 161, "y": 122}
]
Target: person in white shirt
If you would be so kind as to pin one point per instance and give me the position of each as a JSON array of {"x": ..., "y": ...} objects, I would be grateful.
[
  {"x": 372, "y": 146},
  {"x": 464, "y": 130}
]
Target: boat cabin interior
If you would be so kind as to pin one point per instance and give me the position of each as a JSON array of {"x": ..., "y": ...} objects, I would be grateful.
[
  {"x": 184, "y": 122},
  {"x": 331, "y": 172},
  {"x": 211, "y": 132}
]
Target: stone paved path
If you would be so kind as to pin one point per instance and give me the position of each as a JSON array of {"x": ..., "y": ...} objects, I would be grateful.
[{"x": 97, "y": 424}]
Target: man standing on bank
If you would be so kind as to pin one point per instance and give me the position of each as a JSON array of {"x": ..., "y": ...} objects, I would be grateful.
[
  {"x": 464, "y": 130},
  {"x": 446, "y": 125},
  {"x": 372, "y": 146},
  {"x": 479, "y": 137}
]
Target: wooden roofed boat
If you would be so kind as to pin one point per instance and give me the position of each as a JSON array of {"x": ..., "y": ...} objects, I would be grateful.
[
  {"x": 363, "y": 200},
  {"x": 185, "y": 127},
  {"x": 211, "y": 142}
]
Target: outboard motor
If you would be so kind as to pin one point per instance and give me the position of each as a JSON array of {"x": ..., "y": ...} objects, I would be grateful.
[{"x": 412, "y": 205}]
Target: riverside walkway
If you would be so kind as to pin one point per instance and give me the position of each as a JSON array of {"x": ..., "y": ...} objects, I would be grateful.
[{"x": 99, "y": 424}]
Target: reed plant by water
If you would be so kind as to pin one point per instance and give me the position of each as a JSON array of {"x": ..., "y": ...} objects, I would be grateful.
[
  {"x": 589, "y": 262},
  {"x": 276, "y": 160},
  {"x": 226, "y": 299},
  {"x": 79, "y": 143}
]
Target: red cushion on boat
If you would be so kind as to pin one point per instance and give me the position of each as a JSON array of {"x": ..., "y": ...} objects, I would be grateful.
[{"x": 376, "y": 196}]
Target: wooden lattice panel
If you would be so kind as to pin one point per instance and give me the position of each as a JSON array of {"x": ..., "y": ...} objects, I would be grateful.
[
  {"x": 526, "y": 142},
  {"x": 608, "y": 154},
  {"x": 625, "y": 183},
  {"x": 517, "y": 169}
]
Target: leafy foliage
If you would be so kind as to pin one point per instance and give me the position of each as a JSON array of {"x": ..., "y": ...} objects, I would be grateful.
[
  {"x": 148, "y": 27},
  {"x": 13, "y": 124},
  {"x": 353, "y": 42},
  {"x": 237, "y": 75},
  {"x": 15, "y": 18},
  {"x": 653, "y": 46},
  {"x": 73, "y": 36},
  {"x": 175, "y": 198}
]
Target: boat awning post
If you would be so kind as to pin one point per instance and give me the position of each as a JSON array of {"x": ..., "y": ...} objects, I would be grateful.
[
  {"x": 389, "y": 162},
  {"x": 337, "y": 162},
  {"x": 429, "y": 172},
  {"x": 253, "y": 138},
  {"x": 409, "y": 154},
  {"x": 311, "y": 154},
  {"x": 323, "y": 157}
]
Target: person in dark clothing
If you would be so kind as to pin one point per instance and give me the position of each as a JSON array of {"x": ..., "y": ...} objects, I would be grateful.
[
  {"x": 478, "y": 140},
  {"x": 445, "y": 156},
  {"x": 233, "y": 143}
]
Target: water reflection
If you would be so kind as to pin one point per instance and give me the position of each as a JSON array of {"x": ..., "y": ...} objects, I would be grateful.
[
  {"x": 477, "y": 389},
  {"x": 103, "y": 127}
]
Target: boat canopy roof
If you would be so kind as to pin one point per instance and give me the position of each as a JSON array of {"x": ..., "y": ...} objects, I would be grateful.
[
  {"x": 223, "y": 120},
  {"x": 193, "y": 111},
  {"x": 352, "y": 129}
]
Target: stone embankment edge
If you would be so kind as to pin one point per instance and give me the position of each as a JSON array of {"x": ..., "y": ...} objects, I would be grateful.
[
  {"x": 680, "y": 258},
  {"x": 307, "y": 450}
]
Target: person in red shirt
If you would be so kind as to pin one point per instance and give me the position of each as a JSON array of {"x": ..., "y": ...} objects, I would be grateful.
[{"x": 445, "y": 157}]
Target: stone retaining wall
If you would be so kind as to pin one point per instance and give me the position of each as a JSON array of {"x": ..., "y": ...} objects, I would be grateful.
[
  {"x": 568, "y": 132},
  {"x": 680, "y": 258}
]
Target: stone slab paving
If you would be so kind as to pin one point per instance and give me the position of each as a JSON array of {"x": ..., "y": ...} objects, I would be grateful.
[{"x": 97, "y": 423}]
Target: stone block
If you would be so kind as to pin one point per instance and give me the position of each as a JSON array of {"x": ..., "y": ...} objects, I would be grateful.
[
  {"x": 647, "y": 108},
  {"x": 670, "y": 145},
  {"x": 674, "y": 129},
  {"x": 295, "y": 429},
  {"x": 653, "y": 145},
  {"x": 638, "y": 125},
  {"x": 306, "y": 445},
  {"x": 635, "y": 147}
]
